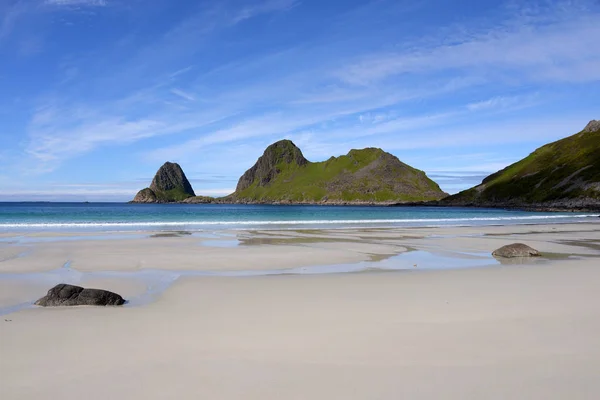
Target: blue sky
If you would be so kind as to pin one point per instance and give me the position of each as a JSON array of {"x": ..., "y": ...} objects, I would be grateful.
[{"x": 96, "y": 94}]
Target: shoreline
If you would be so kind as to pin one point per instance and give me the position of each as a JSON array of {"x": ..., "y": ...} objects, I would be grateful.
[
  {"x": 540, "y": 207},
  {"x": 432, "y": 204}
]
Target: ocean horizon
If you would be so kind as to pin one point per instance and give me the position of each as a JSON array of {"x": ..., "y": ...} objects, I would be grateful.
[{"x": 49, "y": 216}]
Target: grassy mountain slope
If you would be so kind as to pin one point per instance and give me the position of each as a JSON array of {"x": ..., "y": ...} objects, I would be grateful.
[
  {"x": 282, "y": 174},
  {"x": 561, "y": 173}
]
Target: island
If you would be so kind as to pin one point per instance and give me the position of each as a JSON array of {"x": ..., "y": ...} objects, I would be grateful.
[
  {"x": 563, "y": 175},
  {"x": 282, "y": 175}
]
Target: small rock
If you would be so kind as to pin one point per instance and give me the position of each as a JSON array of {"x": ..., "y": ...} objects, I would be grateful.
[
  {"x": 69, "y": 295},
  {"x": 516, "y": 250}
]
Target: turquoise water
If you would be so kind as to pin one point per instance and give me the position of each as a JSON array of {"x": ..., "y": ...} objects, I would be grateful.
[{"x": 128, "y": 217}]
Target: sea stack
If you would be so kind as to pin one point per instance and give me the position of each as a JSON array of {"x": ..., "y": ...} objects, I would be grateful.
[{"x": 169, "y": 185}]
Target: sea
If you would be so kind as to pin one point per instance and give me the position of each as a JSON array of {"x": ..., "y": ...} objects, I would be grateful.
[{"x": 115, "y": 217}]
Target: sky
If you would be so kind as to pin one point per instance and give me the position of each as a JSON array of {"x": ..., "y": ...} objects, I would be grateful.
[{"x": 95, "y": 95}]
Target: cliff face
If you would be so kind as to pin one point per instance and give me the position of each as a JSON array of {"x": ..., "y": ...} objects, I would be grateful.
[
  {"x": 145, "y": 196},
  {"x": 170, "y": 177},
  {"x": 562, "y": 174},
  {"x": 280, "y": 155},
  {"x": 169, "y": 185},
  {"x": 282, "y": 174}
]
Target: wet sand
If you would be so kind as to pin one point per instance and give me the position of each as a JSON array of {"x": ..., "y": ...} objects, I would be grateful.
[{"x": 434, "y": 327}]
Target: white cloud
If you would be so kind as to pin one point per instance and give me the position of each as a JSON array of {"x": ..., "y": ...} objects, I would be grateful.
[
  {"x": 504, "y": 102},
  {"x": 58, "y": 132},
  {"x": 251, "y": 128},
  {"x": 214, "y": 192},
  {"x": 537, "y": 48},
  {"x": 10, "y": 16},
  {"x": 183, "y": 95},
  {"x": 375, "y": 118},
  {"x": 88, "y": 3},
  {"x": 264, "y": 7},
  {"x": 513, "y": 131},
  {"x": 181, "y": 71},
  {"x": 86, "y": 193}
]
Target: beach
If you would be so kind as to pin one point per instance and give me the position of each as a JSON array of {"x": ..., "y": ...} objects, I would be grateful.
[{"x": 378, "y": 313}]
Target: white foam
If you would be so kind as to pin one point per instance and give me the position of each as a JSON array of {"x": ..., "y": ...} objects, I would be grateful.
[{"x": 289, "y": 222}]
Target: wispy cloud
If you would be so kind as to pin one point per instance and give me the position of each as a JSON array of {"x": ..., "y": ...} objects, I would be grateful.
[
  {"x": 87, "y": 3},
  {"x": 10, "y": 15},
  {"x": 262, "y": 7},
  {"x": 261, "y": 126},
  {"x": 453, "y": 182},
  {"x": 58, "y": 132},
  {"x": 553, "y": 46},
  {"x": 183, "y": 95},
  {"x": 486, "y": 133},
  {"x": 504, "y": 102},
  {"x": 180, "y": 72}
]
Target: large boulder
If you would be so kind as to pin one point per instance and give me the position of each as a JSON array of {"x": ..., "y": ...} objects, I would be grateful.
[
  {"x": 516, "y": 250},
  {"x": 70, "y": 295}
]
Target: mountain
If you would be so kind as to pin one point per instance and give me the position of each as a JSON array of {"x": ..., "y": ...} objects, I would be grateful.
[
  {"x": 169, "y": 185},
  {"x": 283, "y": 174},
  {"x": 562, "y": 174}
]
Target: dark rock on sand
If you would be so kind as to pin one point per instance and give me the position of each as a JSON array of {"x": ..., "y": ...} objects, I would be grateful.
[
  {"x": 516, "y": 250},
  {"x": 69, "y": 295}
]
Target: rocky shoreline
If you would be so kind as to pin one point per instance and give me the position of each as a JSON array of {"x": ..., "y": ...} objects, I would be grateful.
[
  {"x": 575, "y": 206},
  {"x": 210, "y": 200}
]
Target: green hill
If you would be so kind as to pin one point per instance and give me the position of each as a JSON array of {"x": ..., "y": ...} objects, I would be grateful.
[
  {"x": 282, "y": 174},
  {"x": 565, "y": 174}
]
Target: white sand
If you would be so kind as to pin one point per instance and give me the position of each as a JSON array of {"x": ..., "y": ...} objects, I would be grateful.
[
  {"x": 504, "y": 332},
  {"x": 510, "y": 332},
  {"x": 264, "y": 250}
]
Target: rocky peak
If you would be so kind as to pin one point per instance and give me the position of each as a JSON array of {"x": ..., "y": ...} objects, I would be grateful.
[
  {"x": 266, "y": 168},
  {"x": 169, "y": 185},
  {"x": 592, "y": 126},
  {"x": 284, "y": 151},
  {"x": 169, "y": 177}
]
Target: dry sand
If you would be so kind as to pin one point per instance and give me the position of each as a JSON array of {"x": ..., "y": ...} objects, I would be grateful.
[{"x": 503, "y": 332}]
